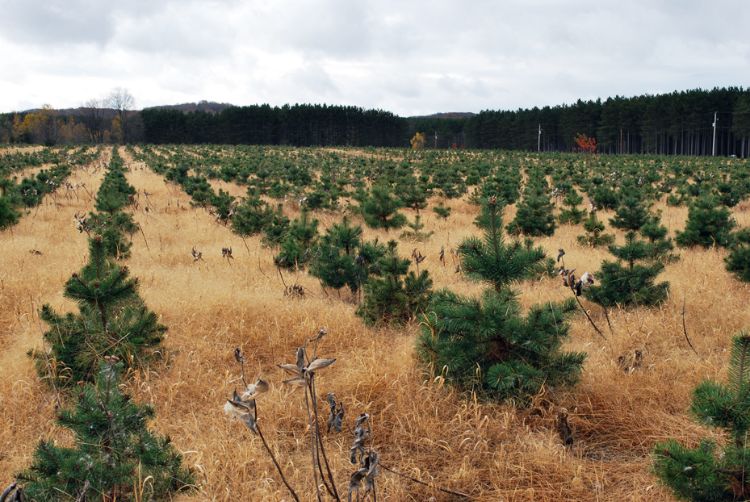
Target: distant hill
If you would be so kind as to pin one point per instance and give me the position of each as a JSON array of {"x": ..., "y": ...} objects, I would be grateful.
[
  {"x": 201, "y": 106},
  {"x": 446, "y": 115}
]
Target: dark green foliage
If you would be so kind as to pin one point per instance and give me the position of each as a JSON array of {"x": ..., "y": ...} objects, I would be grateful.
[
  {"x": 115, "y": 192},
  {"x": 276, "y": 228},
  {"x": 298, "y": 243},
  {"x": 491, "y": 259},
  {"x": 112, "y": 320},
  {"x": 114, "y": 230},
  {"x": 251, "y": 216},
  {"x": 380, "y": 209},
  {"x": 571, "y": 214},
  {"x": 738, "y": 260},
  {"x": 702, "y": 474},
  {"x": 631, "y": 213},
  {"x": 8, "y": 214},
  {"x": 114, "y": 452},
  {"x": 629, "y": 284},
  {"x": 412, "y": 194},
  {"x": 534, "y": 214},
  {"x": 594, "y": 236},
  {"x": 341, "y": 259},
  {"x": 708, "y": 224},
  {"x": 661, "y": 246},
  {"x": 604, "y": 197},
  {"x": 415, "y": 232},
  {"x": 442, "y": 211},
  {"x": 487, "y": 345},
  {"x": 394, "y": 295}
]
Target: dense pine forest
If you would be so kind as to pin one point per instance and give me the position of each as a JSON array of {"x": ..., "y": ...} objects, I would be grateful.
[{"x": 679, "y": 123}]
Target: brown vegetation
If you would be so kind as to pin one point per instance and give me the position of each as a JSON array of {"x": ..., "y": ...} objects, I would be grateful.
[{"x": 420, "y": 426}]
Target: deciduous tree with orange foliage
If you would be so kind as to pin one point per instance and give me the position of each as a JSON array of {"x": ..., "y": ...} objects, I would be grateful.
[{"x": 585, "y": 143}]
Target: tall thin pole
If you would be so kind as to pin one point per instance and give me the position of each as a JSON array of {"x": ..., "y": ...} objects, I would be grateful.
[
  {"x": 539, "y": 139},
  {"x": 435, "y": 139},
  {"x": 713, "y": 144}
]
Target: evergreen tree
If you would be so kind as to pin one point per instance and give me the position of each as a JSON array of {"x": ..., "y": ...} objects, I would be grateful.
[
  {"x": 534, "y": 214},
  {"x": 631, "y": 213},
  {"x": 297, "y": 244},
  {"x": 632, "y": 283},
  {"x": 251, "y": 216},
  {"x": 660, "y": 246},
  {"x": 112, "y": 320},
  {"x": 276, "y": 228},
  {"x": 394, "y": 295},
  {"x": 738, "y": 260},
  {"x": 114, "y": 230},
  {"x": 708, "y": 224},
  {"x": 571, "y": 214},
  {"x": 491, "y": 259},
  {"x": 442, "y": 211},
  {"x": 113, "y": 452},
  {"x": 415, "y": 232},
  {"x": 412, "y": 194},
  {"x": 594, "y": 236},
  {"x": 487, "y": 344},
  {"x": 342, "y": 259},
  {"x": 8, "y": 214},
  {"x": 380, "y": 209},
  {"x": 702, "y": 474}
]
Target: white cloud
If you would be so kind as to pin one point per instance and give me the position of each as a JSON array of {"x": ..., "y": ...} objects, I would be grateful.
[{"x": 404, "y": 56}]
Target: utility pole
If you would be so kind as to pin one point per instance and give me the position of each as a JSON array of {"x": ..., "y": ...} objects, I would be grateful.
[
  {"x": 713, "y": 144},
  {"x": 539, "y": 139},
  {"x": 435, "y": 139}
]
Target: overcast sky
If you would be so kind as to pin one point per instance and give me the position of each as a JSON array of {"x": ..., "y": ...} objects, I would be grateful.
[{"x": 405, "y": 56}]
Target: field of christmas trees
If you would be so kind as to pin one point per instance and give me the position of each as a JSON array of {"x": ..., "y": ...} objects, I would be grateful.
[{"x": 277, "y": 323}]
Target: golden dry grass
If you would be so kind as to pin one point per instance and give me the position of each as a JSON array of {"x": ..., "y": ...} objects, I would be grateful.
[{"x": 421, "y": 427}]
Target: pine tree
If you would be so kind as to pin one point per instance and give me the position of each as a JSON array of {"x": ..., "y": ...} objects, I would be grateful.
[
  {"x": 487, "y": 344},
  {"x": 738, "y": 260},
  {"x": 534, "y": 214},
  {"x": 276, "y": 228},
  {"x": 394, "y": 295},
  {"x": 442, "y": 211},
  {"x": 631, "y": 213},
  {"x": 298, "y": 243},
  {"x": 702, "y": 474},
  {"x": 114, "y": 229},
  {"x": 342, "y": 259},
  {"x": 251, "y": 216},
  {"x": 708, "y": 224},
  {"x": 112, "y": 320},
  {"x": 491, "y": 259},
  {"x": 415, "y": 232},
  {"x": 113, "y": 451},
  {"x": 594, "y": 235},
  {"x": 632, "y": 283},
  {"x": 380, "y": 209},
  {"x": 8, "y": 214},
  {"x": 571, "y": 214},
  {"x": 660, "y": 246}
]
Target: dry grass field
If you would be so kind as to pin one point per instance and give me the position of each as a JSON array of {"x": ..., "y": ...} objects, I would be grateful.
[{"x": 421, "y": 427}]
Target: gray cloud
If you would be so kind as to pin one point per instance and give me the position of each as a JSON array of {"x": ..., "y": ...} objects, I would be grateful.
[{"x": 408, "y": 57}]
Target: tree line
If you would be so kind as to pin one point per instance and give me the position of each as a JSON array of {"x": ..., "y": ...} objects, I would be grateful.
[{"x": 678, "y": 123}]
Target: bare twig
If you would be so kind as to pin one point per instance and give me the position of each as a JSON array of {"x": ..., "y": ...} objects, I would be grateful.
[
  {"x": 684, "y": 328},
  {"x": 599, "y": 332},
  {"x": 420, "y": 482}
]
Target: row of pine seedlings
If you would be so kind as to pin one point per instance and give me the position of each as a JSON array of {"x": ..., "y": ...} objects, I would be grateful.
[
  {"x": 17, "y": 197},
  {"x": 88, "y": 356},
  {"x": 488, "y": 344}
]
